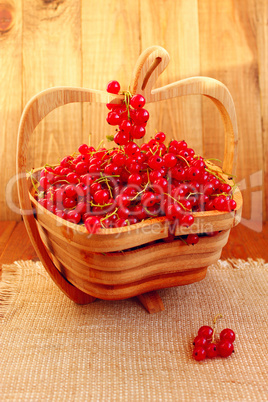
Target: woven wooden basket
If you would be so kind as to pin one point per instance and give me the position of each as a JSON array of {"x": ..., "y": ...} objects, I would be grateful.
[{"x": 129, "y": 261}]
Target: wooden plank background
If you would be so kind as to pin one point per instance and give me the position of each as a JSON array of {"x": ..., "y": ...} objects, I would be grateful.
[{"x": 46, "y": 43}]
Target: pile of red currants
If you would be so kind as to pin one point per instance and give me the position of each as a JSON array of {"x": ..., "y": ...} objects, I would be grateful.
[
  {"x": 124, "y": 185},
  {"x": 205, "y": 346}
]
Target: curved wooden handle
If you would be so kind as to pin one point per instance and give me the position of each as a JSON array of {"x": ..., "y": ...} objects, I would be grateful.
[
  {"x": 151, "y": 63},
  {"x": 222, "y": 98},
  {"x": 36, "y": 109}
]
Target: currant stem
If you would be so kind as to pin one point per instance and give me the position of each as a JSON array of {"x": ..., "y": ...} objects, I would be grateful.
[{"x": 214, "y": 327}]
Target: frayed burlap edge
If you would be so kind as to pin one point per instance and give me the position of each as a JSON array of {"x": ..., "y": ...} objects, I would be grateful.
[{"x": 8, "y": 286}]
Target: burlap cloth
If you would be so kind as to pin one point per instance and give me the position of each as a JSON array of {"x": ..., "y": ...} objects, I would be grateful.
[{"x": 54, "y": 350}]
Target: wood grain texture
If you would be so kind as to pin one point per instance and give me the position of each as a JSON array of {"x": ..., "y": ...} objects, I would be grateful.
[
  {"x": 174, "y": 25},
  {"x": 52, "y": 56},
  {"x": 87, "y": 43},
  {"x": 261, "y": 29},
  {"x": 110, "y": 48},
  {"x": 229, "y": 53},
  {"x": 10, "y": 97}
]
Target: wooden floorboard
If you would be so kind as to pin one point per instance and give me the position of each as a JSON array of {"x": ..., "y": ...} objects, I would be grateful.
[
  {"x": 243, "y": 243},
  {"x": 6, "y": 230},
  {"x": 18, "y": 246}
]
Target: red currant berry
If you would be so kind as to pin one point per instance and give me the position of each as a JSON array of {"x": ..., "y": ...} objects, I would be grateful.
[
  {"x": 225, "y": 348},
  {"x": 232, "y": 204},
  {"x": 70, "y": 191},
  {"x": 72, "y": 177},
  {"x": 137, "y": 132},
  {"x": 73, "y": 216},
  {"x": 211, "y": 350},
  {"x": 160, "y": 136},
  {"x": 192, "y": 239},
  {"x": 187, "y": 220},
  {"x": 148, "y": 199},
  {"x": 131, "y": 148},
  {"x": 155, "y": 162},
  {"x": 121, "y": 138},
  {"x": 113, "y": 118},
  {"x": 81, "y": 168},
  {"x": 113, "y": 87},
  {"x": 125, "y": 126},
  {"x": 206, "y": 332},
  {"x": 137, "y": 101},
  {"x": 141, "y": 116},
  {"x": 169, "y": 160},
  {"x": 200, "y": 341},
  {"x": 69, "y": 202},
  {"x": 92, "y": 224},
  {"x": 119, "y": 159},
  {"x": 101, "y": 197},
  {"x": 135, "y": 179},
  {"x": 225, "y": 188},
  {"x": 83, "y": 149},
  {"x": 199, "y": 353},
  {"x": 227, "y": 334}
]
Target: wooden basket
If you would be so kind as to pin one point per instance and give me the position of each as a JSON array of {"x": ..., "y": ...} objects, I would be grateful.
[{"x": 121, "y": 263}]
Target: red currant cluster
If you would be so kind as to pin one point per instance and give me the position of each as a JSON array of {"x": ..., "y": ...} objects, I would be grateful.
[
  {"x": 111, "y": 188},
  {"x": 204, "y": 345},
  {"x": 130, "y": 117}
]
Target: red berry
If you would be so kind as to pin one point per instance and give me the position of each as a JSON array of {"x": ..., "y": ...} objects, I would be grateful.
[
  {"x": 137, "y": 101},
  {"x": 227, "y": 334},
  {"x": 200, "y": 341},
  {"x": 73, "y": 216},
  {"x": 121, "y": 138},
  {"x": 70, "y": 191},
  {"x": 192, "y": 239},
  {"x": 125, "y": 126},
  {"x": 169, "y": 160},
  {"x": 212, "y": 350},
  {"x": 101, "y": 197},
  {"x": 83, "y": 149},
  {"x": 135, "y": 179},
  {"x": 206, "y": 332},
  {"x": 113, "y": 118},
  {"x": 92, "y": 224},
  {"x": 137, "y": 132},
  {"x": 160, "y": 137},
  {"x": 187, "y": 220},
  {"x": 141, "y": 116},
  {"x": 199, "y": 353},
  {"x": 225, "y": 348},
  {"x": 113, "y": 87}
]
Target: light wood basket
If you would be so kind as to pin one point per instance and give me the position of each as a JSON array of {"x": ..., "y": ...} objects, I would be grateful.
[{"x": 130, "y": 261}]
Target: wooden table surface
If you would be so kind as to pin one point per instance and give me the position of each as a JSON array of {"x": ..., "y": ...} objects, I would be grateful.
[{"x": 243, "y": 243}]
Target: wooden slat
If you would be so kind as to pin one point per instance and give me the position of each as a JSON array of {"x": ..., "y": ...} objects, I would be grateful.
[
  {"x": 174, "y": 25},
  {"x": 229, "y": 53},
  {"x": 52, "y": 50},
  {"x": 110, "y": 49},
  {"x": 261, "y": 27},
  {"x": 243, "y": 243},
  {"x": 10, "y": 97}
]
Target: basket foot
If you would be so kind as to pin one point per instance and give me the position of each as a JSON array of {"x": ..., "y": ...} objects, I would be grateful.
[{"x": 152, "y": 302}]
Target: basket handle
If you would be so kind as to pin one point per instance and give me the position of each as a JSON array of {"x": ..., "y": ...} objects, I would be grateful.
[
  {"x": 36, "y": 109},
  {"x": 153, "y": 61}
]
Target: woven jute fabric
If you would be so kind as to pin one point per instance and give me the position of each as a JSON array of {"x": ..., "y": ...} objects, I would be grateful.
[{"x": 54, "y": 350}]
